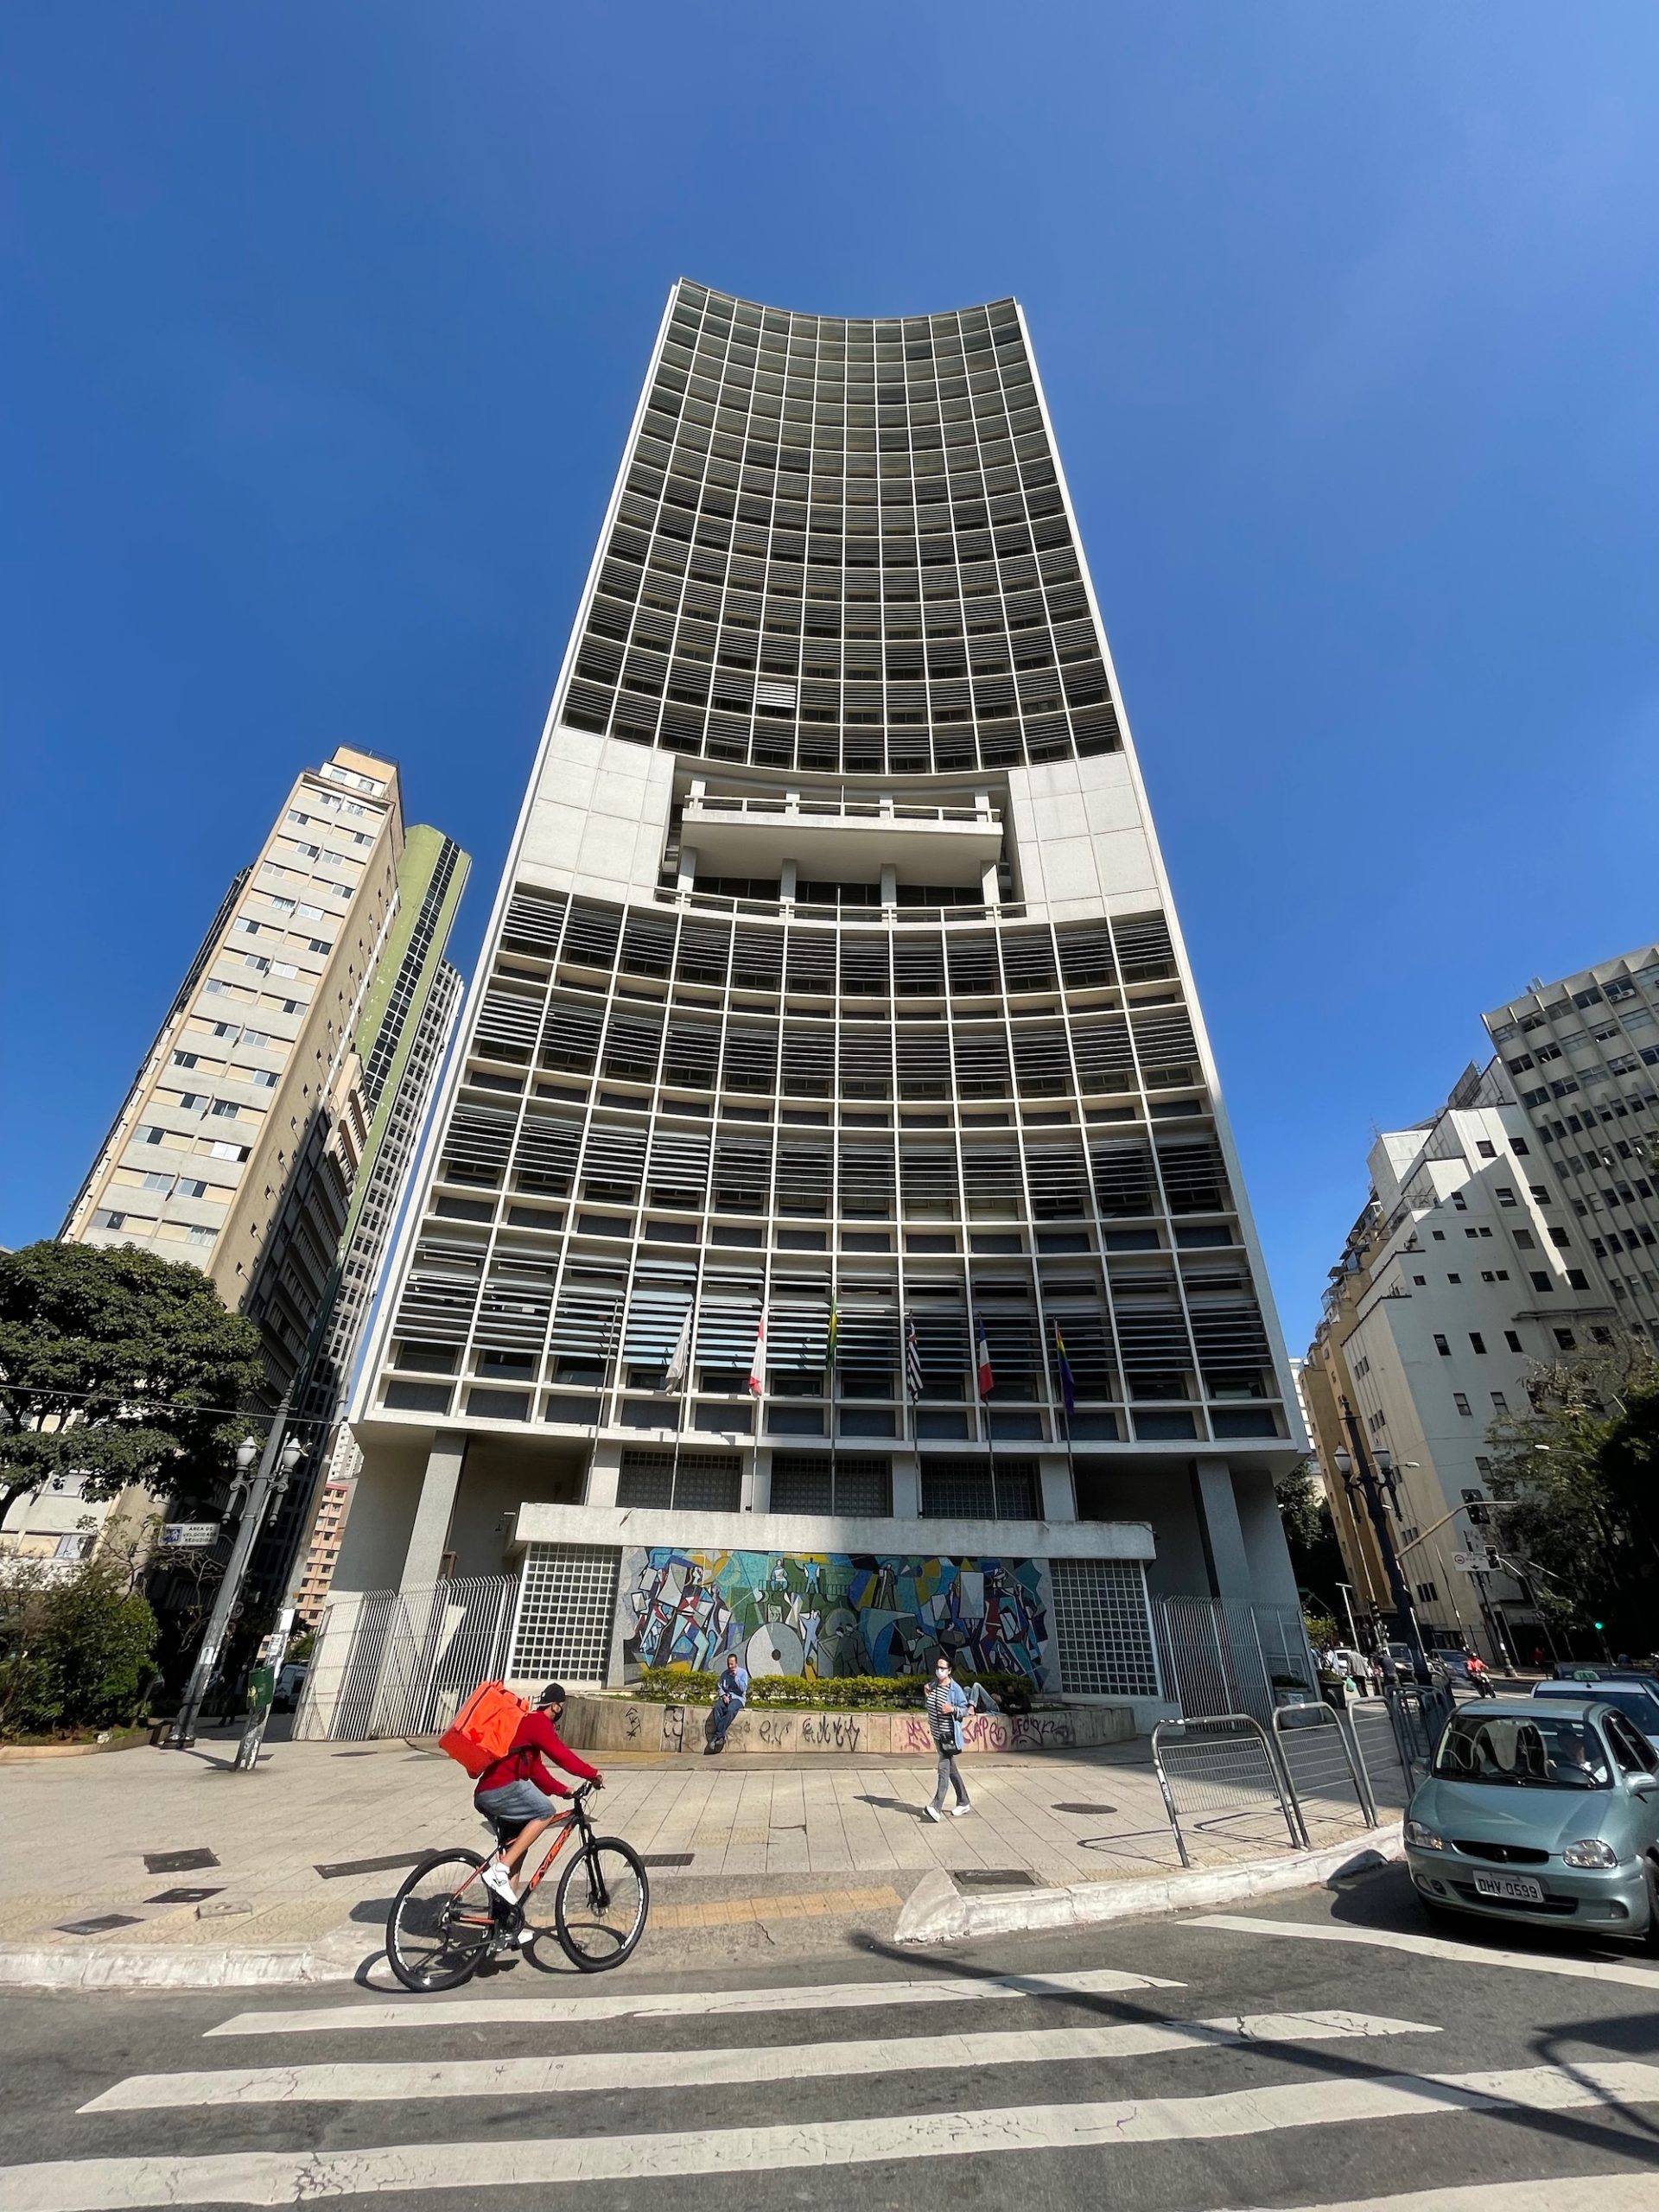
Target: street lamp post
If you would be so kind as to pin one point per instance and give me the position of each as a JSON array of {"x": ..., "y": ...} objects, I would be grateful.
[
  {"x": 276, "y": 1463},
  {"x": 1358, "y": 1473},
  {"x": 1347, "y": 1590}
]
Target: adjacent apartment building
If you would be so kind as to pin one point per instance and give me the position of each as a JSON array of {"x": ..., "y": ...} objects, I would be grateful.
[
  {"x": 1583, "y": 1055},
  {"x": 1465, "y": 1269},
  {"x": 270, "y": 1126},
  {"x": 830, "y": 1245}
]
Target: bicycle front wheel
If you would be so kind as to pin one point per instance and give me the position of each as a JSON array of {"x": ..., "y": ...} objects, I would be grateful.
[
  {"x": 438, "y": 1929},
  {"x": 602, "y": 1901}
]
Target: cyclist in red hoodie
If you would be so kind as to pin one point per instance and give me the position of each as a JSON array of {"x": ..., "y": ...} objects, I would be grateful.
[{"x": 517, "y": 1786}]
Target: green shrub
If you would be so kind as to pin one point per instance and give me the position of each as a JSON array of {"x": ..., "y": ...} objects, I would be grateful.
[
  {"x": 850, "y": 1693},
  {"x": 75, "y": 1649}
]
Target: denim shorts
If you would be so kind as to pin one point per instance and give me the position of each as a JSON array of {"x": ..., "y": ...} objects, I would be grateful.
[{"x": 515, "y": 1801}]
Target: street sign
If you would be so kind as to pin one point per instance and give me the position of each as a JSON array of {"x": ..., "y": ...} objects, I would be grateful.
[
  {"x": 1481, "y": 1562},
  {"x": 189, "y": 1535}
]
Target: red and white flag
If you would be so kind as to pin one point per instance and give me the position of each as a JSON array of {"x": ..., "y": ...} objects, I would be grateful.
[
  {"x": 758, "y": 1366},
  {"x": 983, "y": 1361}
]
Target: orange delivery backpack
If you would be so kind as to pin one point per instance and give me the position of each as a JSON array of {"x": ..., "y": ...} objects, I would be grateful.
[{"x": 482, "y": 1731}]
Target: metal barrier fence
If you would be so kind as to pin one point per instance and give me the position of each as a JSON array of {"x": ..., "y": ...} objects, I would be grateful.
[
  {"x": 402, "y": 1663},
  {"x": 1232, "y": 1659},
  {"x": 1321, "y": 1759},
  {"x": 1220, "y": 1768},
  {"x": 1418, "y": 1715}
]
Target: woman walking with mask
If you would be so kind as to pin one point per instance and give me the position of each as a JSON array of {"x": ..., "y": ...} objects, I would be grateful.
[{"x": 947, "y": 1705}]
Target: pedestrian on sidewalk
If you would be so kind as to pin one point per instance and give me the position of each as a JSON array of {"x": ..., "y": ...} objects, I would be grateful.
[
  {"x": 948, "y": 1703},
  {"x": 731, "y": 1695}
]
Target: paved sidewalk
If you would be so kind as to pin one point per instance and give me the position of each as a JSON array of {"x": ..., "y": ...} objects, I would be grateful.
[{"x": 796, "y": 1849}]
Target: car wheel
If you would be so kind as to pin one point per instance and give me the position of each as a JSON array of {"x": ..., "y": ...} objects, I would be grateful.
[{"x": 1650, "y": 1932}]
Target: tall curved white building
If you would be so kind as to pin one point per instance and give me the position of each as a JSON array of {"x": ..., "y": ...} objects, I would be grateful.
[{"x": 833, "y": 984}]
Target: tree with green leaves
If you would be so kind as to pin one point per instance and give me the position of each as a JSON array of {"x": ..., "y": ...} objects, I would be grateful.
[
  {"x": 1582, "y": 1467},
  {"x": 118, "y": 1368},
  {"x": 1310, "y": 1533}
]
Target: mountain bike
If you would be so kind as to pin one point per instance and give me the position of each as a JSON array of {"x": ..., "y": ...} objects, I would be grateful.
[{"x": 444, "y": 1924}]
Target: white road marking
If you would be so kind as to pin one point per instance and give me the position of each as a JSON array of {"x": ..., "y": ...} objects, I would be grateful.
[
  {"x": 1574, "y": 2193},
  {"x": 693, "y": 2069},
  {"x": 1434, "y": 1947},
  {"x": 563, "y": 2011},
  {"x": 283, "y": 2178}
]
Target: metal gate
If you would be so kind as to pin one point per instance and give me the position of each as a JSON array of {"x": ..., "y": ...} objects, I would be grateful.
[
  {"x": 1239, "y": 1659},
  {"x": 402, "y": 1663}
]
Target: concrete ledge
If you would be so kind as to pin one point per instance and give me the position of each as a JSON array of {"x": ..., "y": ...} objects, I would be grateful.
[
  {"x": 936, "y": 1912},
  {"x": 616, "y": 1724},
  {"x": 215, "y": 1967}
]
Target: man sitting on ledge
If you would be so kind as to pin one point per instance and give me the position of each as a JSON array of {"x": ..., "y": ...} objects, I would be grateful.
[{"x": 730, "y": 1697}]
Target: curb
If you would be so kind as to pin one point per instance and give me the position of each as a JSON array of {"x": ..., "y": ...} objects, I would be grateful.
[
  {"x": 936, "y": 1912},
  {"x": 203, "y": 1968}
]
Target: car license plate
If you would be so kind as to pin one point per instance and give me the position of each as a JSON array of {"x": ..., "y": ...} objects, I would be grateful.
[{"x": 1521, "y": 1888}]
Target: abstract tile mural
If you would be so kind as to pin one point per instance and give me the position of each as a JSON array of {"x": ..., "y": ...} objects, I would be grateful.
[{"x": 834, "y": 1613}]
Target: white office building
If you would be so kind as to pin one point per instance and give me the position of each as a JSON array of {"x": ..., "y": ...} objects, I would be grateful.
[{"x": 832, "y": 1040}]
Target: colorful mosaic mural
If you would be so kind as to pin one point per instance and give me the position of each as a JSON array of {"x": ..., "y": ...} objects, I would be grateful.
[{"x": 834, "y": 1613}]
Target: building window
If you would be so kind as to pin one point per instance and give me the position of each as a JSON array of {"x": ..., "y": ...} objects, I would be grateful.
[
  {"x": 1455, "y": 1279},
  {"x": 225, "y": 1109},
  {"x": 689, "y": 1482},
  {"x": 1567, "y": 1340},
  {"x": 106, "y": 1217},
  {"x": 1506, "y": 1196},
  {"x": 1486, "y": 1147},
  {"x": 1442, "y": 1347},
  {"x": 1577, "y": 1279},
  {"x": 1462, "y": 1403},
  {"x": 1511, "y": 1340},
  {"x": 975, "y": 1489},
  {"x": 1476, "y": 1342},
  {"x": 1500, "y": 1403},
  {"x": 1519, "y": 1146},
  {"x": 1427, "y": 1592},
  {"x": 820, "y": 1482},
  {"x": 1540, "y": 1281},
  {"x": 567, "y": 1613}
]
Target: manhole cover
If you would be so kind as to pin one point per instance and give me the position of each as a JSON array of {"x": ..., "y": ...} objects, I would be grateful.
[
  {"x": 333, "y": 1873},
  {"x": 181, "y": 1897},
  {"x": 992, "y": 1877},
  {"x": 668, "y": 1858},
  {"x": 177, "y": 1862},
  {"x": 1085, "y": 1808},
  {"x": 104, "y": 1920}
]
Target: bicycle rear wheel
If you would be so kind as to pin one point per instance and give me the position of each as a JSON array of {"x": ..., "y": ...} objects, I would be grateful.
[
  {"x": 438, "y": 1929},
  {"x": 601, "y": 1904}
]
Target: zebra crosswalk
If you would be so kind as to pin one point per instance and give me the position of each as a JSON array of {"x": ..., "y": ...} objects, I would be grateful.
[{"x": 479, "y": 2096}]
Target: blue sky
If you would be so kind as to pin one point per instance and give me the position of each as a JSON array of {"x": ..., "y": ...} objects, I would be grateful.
[{"x": 323, "y": 329}]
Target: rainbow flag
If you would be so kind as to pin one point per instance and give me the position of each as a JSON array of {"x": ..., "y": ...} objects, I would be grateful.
[{"x": 1068, "y": 1381}]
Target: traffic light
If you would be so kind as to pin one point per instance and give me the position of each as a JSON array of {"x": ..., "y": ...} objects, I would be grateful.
[{"x": 1478, "y": 1516}]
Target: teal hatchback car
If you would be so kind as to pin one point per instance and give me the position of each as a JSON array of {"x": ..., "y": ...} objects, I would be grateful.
[{"x": 1541, "y": 1813}]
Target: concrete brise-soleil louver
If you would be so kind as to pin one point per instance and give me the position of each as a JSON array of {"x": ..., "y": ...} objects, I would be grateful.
[
  {"x": 272, "y": 1123},
  {"x": 832, "y": 1033}
]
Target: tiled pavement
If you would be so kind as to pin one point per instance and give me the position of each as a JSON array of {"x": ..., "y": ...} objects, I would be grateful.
[{"x": 790, "y": 1840}]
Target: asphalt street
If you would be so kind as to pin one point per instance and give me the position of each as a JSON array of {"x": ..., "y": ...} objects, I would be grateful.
[{"x": 1324, "y": 2049}]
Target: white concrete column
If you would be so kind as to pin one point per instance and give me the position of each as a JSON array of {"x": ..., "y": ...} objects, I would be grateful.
[
  {"x": 755, "y": 1492},
  {"x": 906, "y": 1487},
  {"x": 430, "y": 1536},
  {"x": 786, "y": 883},
  {"x": 686, "y": 878},
  {"x": 990, "y": 890},
  {"x": 1060, "y": 1500},
  {"x": 889, "y": 886},
  {"x": 1228, "y": 1554},
  {"x": 603, "y": 1467}
]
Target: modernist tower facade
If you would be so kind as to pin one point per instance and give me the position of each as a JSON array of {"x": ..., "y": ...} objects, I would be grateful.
[{"x": 832, "y": 1044}]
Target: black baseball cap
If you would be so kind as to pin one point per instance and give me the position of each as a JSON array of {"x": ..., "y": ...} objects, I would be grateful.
[{"x": 553, "y": 1695}]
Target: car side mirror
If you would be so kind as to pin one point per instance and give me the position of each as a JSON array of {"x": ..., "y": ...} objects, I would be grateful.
[{"x": 1644, "y": 1785}]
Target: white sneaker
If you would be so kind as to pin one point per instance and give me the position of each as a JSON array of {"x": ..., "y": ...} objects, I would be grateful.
[
  {"x": 960, "y": 1812},
  {"x": 498, "y": 1883},
  {"x": 932, "y": 1813}
]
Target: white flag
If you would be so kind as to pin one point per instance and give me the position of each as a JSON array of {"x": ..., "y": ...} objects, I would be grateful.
[
  {"x": 679, "y": 1364},
  {"x": 758, "y": 1366}
]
